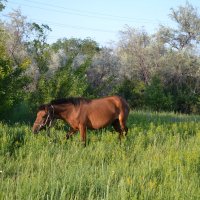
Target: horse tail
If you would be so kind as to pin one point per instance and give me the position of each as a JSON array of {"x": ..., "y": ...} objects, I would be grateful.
[
  {"x": 123, "y": 114},
  {"x": 125, "y": 107}
]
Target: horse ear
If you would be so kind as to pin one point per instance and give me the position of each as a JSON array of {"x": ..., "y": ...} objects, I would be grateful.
[{"x": 46, "y": 108}]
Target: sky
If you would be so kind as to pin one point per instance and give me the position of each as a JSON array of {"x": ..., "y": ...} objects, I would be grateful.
[{"x": 100, "y": 20}]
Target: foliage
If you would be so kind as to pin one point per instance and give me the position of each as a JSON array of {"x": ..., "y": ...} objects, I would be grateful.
[
  {"x": 170, "y": 54},
  {"x": 38, "y": 47},
  {"x": 133, "y": 49},
  {"x": 73, "y": 47},
  {"x": 158, "y": 72},
  {"x": 12, "y": 79},
  {"x": 155, "y": 96},
  {"x": 132, "y": 91},
  {"x": 2, "y": 6},
  {"x": 65, "y": 82},
  {"x": 103, "y": 73},
  {"x": 181, "y": 76}
]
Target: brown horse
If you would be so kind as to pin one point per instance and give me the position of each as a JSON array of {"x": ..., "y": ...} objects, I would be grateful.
[{"x": 81, "y": 113}]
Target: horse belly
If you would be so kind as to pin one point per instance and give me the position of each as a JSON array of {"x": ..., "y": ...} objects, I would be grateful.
[{"x": 100, "y": 119}]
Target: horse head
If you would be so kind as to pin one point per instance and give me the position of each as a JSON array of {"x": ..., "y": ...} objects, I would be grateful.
[{"x": 44, "y": 118}]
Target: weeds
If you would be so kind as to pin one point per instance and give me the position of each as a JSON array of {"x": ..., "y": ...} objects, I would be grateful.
[{"x": 159, "y": 159}]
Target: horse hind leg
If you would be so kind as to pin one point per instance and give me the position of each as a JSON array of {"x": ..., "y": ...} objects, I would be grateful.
[
  {"x": 122, "y": 122},
  {"x": 117, "y": 127},
  {"x": 70, "y": 133}
]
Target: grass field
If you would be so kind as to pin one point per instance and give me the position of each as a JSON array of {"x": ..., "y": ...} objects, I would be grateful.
[{"x": 159, "y": 159}]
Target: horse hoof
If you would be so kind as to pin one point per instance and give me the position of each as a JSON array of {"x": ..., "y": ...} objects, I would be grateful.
[{"x": 67, "y": 136}]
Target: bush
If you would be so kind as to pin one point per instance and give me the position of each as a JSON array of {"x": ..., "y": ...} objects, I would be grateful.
[
  {"x": 133, "y": 92},
  {"x": 155, "y": 96}
]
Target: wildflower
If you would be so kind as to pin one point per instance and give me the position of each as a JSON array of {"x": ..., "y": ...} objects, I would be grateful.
[
  {"x": 129, "y": 181},
  {"x": 152, "y": 184}
]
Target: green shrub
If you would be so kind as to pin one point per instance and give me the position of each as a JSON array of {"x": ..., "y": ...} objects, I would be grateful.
[{"x": 155, "y": 96}]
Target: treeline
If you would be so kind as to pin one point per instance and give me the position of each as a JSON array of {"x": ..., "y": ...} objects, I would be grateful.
[{"x": 159, "y": 71}]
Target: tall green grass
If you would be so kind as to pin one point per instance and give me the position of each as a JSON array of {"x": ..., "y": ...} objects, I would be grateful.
[{"x": 159, "y": 159}]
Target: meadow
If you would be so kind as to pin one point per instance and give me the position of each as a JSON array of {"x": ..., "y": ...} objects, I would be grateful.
[{"x": 159, "y": 159}]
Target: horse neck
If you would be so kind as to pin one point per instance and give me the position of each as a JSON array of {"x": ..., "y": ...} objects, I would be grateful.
[{"x": 63, "y": 110}]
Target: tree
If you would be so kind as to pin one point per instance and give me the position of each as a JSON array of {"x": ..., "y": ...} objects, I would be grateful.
[
  {"x": 180, "y": 73},
  {"x": 134, "y": 52},
  {"x": 38, "y": 46},
  {"x": 65, "y": 81},
  {"x": 103, "y": 74},
  {"x": 12, "y": 77},
  {"x": 2, "y": 6},
  {"x": 187, "y": 33},
  {"x": 17, "y": 33},
  {"x": 171, "y": 54},
  {"x": 73, "y": 47},
  {"x": 180, "y": 66}
]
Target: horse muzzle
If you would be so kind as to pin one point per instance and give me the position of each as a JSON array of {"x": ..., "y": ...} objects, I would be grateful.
[
  {"x": 35, "y": 130},
  {"x": 38, "y": 127}
]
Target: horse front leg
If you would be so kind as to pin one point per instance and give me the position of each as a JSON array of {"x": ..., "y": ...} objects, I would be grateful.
[
  {"x": 82, "y": 129},
  {"x": 70, "y": 133}
]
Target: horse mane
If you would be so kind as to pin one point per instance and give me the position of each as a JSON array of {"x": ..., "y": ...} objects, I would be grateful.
[{"x": 73, "y": 100}]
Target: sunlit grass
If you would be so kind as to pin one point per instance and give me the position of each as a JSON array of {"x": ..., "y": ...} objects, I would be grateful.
[{"x": 159, "y": 159}]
